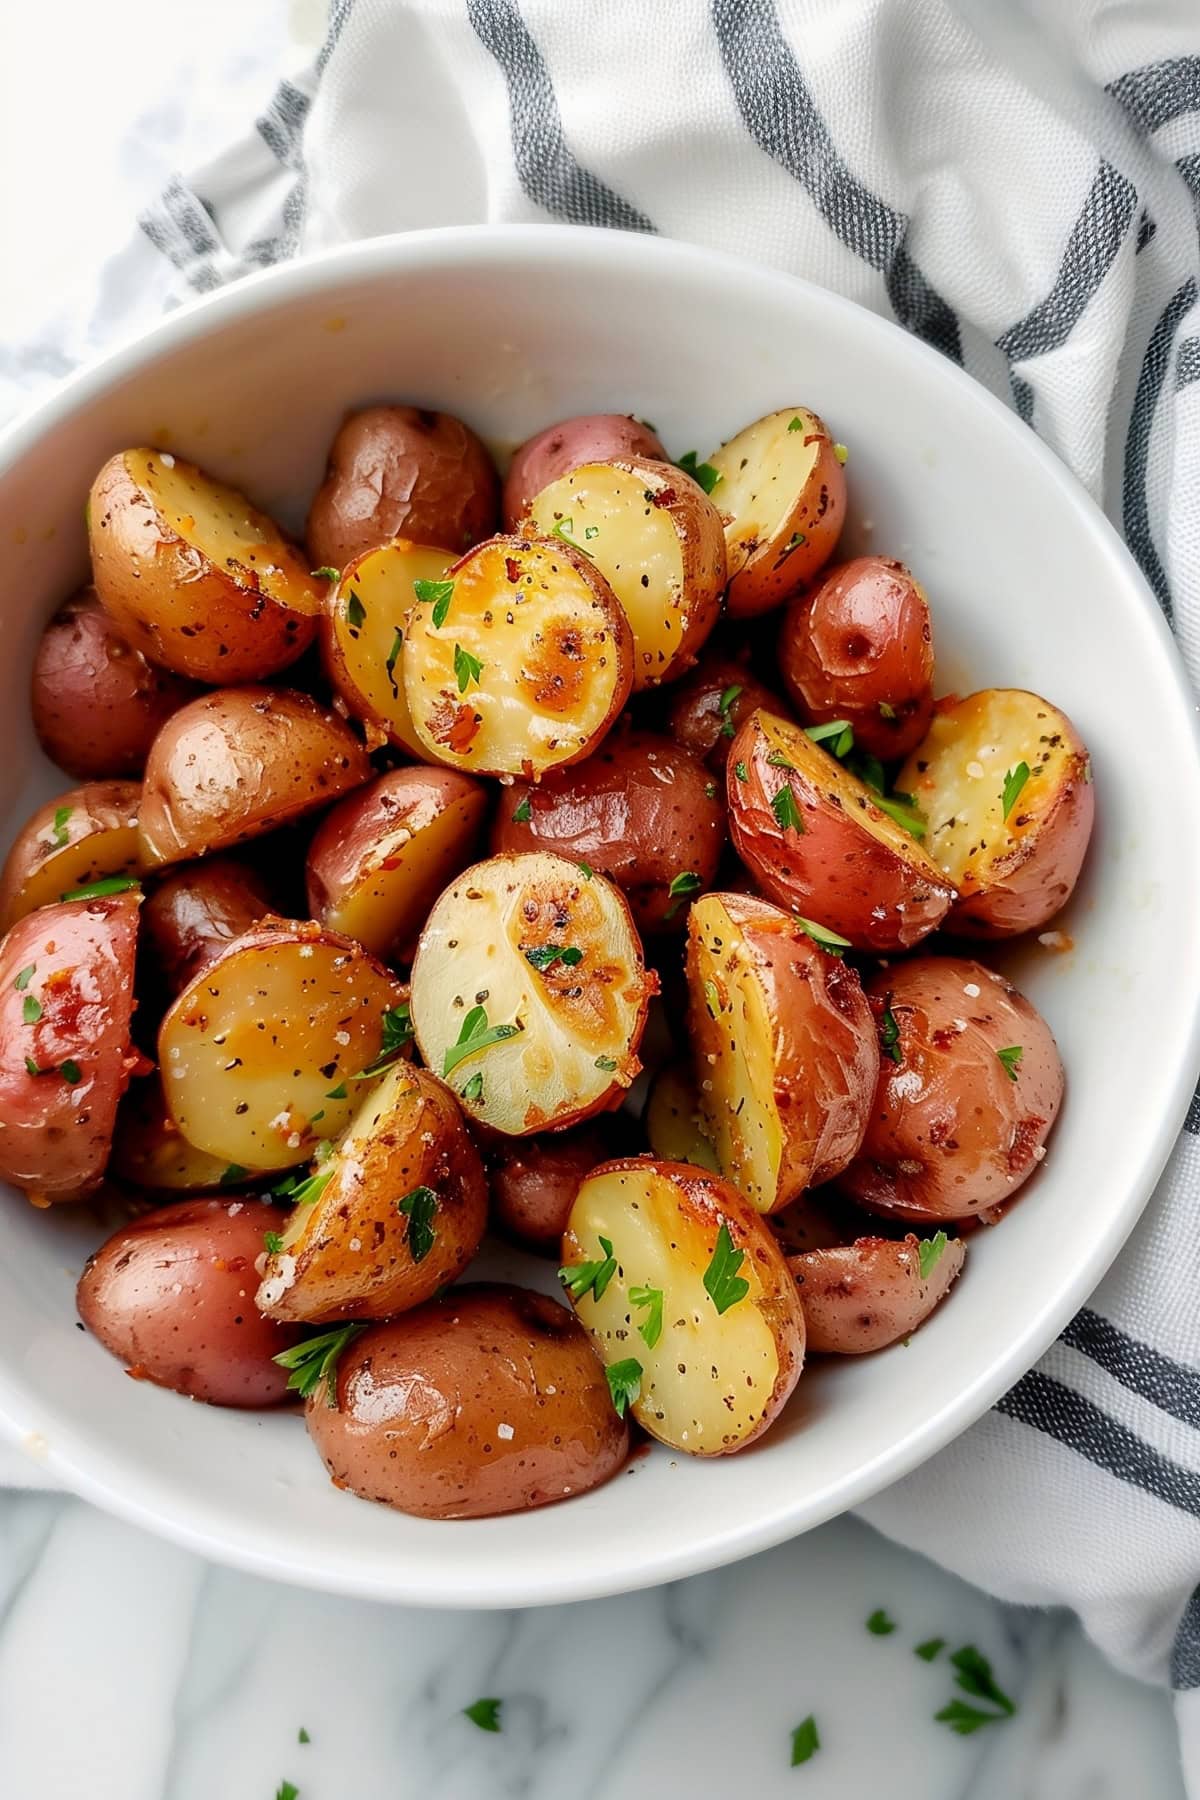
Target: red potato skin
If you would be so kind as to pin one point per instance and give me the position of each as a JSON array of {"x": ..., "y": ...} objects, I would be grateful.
[
  {"x": 535, "y": 1181},
  {"x": 861, "y": 638},
  {"x": 696, "y": 721},
  {"x": 555, "y": 451},
  {"x": 863, "y": 1296},
  {"x": 97, "y": 703},
  {"x": 1033, "y": 888},
  {"x": 172, "y": 1295},
  {"x": 950, "y": 1135},
  {"x": 196, "y": 912}
]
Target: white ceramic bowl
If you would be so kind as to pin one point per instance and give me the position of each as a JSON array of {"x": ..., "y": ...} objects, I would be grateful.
[{"x": 514, "y": 328}]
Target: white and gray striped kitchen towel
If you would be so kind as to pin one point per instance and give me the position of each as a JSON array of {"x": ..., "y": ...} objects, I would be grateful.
[{"x": 1016, "y": 181}]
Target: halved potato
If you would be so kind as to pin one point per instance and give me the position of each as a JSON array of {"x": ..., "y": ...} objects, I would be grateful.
[
  {"x": 1005, "y": 781},
  {"x": 814, "y": 839},
  {"x": 240, "y": 762},
  {"x": 697, "y": 1317},
  {"x": 379, "y": 860},
  {"x": 673, "y": 1122},
  {"x": 518, "y": 661},
  {"x": 784, "y": 1046},
  {"x": 88, "y": 834},
  {"x": 150, "y": 1151},
  {"x": 711, "y": 702},
  {"x": 865, "y": 1295},
  {"x": 397, "y": 1210},
  {"x": 362, "y": 634},
  {"x": 782, "y": 494},
  {"x": 529, "y": 993},
  {"x": 658, "y": 541},
  {"x": 195, "y": 913},
  {"x": 260, "y": 1052},
  {"x": 196, "y": 577}
]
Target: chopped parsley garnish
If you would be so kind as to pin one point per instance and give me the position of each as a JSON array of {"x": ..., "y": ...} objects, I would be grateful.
[
  {"x": 467, "y": 668},
  {"x": 356, "y": 612},
  {"x": 879, "y": 1625},
  {"x": 821, "y": 934},
  {"x": 476, "y": 1034},
  {"x": 964, "y": 1719},
  {"x": 393, "y": 657},
  {"x": 712, "y": 999},
  {"x": 1011, "y": 1059},
  {"x": 652, "y": 1299},
  {"x": 545, "y": 954},
  {"x": 681, "y": 886},
  {"x": 314, "y": 1360},
  {"x": 325, "y": 573},
  {"x": 233, "y": 1174},
  {"x": 725, "y": 708},
  {"x": 591, "y": 531},
  {"x": 420, "y": 1206},
  {"x": 605, "y": 1062},
  {"x": 586, "y": 870},
  {"x": 974, "y": 1677},
  {"x": 287, "y": 1790},
  {"x": 70, "y": 1071},
  {"x": 100, "y": 890},
  {"x": 624, "y": 1383},
  {"x": 796, "y": 425},
  {"x": 25, "y": 977},
  {"x": 903, "y": 809},
  {"x": 273, "y": 1242},
  {"x": 563, "y": 529},
  {"x": 886, "y": 711},
  {"x": 31, "y": 1068},
  {"x": 61, "y": 815},
  {"x": 929, "y": 1253},
  {"x": 473, "y": 1089},
  {"x": 725, "y": 1287},
  {"x": 523, "y": 812},
  {"x": 484, "y": 1713},
  {"x": 805, "y": 1740},
  {"x": 702, "y": 473},
  {"x": 841, "y": 452},
  {"x": 337, "y": 1093},
  {"x": 590, "y": 1277},
  {"x": 308, "y": 1191},
  {"x": 740, "y": 771},
  {"x": 837, "y": 735},
  {"x": 302, "y": 1736},
  {"x": 397, "y": 1031},
  {"x": 930, "y": 1649},
  {"x": 441, "y": 593},
  {"x": 778, "y": 760},
  {"x": 889, "y": 1034},
  {"x": 869, "y": 770},
  {"x": 1014, "y": 781},
  {"x": 31, "y": 1009},
  {"x": 787, "y": 813}
]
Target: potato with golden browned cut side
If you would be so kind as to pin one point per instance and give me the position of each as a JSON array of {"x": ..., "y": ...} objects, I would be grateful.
[
  {"x": 782, "y": 492},
  {"x": 240, "y": 762},
  {"x": 689, "y": 1301},
  {"x": 674, "y": 1123},
  {"x": 529, "y": 993},
  {"x": 195, "y": 576},
  {"x": 863, "y": 1296},
  {"x": 366, "y": 615},
  {"x": 86, "y": 836},
  {"x": 1005, "y": 781},
  {"x": 711, "y": 702},
  {"x": 149, "y": 1151},
  {"x": 196, "y": 912},
  {"x": 556, "y": 450}
]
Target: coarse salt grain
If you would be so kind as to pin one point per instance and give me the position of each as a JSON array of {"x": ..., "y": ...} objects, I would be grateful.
[
  {"x": 1039, "y": 1154},
  {"x": 234, "y": 1209},
  {"x": 973, "y": 989},
  {"x": 341, "y": 1037},
  {"x": 306, "y": 949},
  {"x": 356, "y": 1243},
  {"x": 505, "y": 1431},
  {"x": 166, "y": 459},
  {"x": 1052, "y": 940},
  {"x": 976, "y": 771}
]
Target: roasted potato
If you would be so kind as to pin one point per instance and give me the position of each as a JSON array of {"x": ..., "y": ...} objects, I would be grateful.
[
  {"x": 859, "y": 647},
  {"x": 594, "y": 437},
  {"x": 172, "y": 1294},
  {"x": 259, "y": 1053},
  {"x": 815, "y": 840},
  {"x": 1006, "y": 784},
  {"x": 969, "y": 1087},
  {"x": 402, "y": 471},
  {"x": 865, "y": 1295},
  {"x": 529, "y": 993},
  {"x": 535, "y": 1181},
  {"x": 198, "y": 910},
  {"x": 658, "y": 541},
  {"x": 66, "y": 999},
  {"x": 395, "y": 1212},
  {"x": 87, "y": 835},
  {"x": 518, "y": 661},
  {"x": 149, "y": 1150},
  {"x": 487, "y": 1401},
  {"x": 362, "y": 635},
  {"x": 240, "y": 762},
  {"x": 782, "y": 494},
  {"x": 379, "y": 860},
  {"x": 97, "y": 703},
  {"x": 784, "y": 1049},
  {"x": 673, "y": 1122},
  {"x": 195, "y": 577},
  {"x": 709, "y": 704},
  {"x": 640, "y": 810},
  {"x": 688, "y": 1300}
]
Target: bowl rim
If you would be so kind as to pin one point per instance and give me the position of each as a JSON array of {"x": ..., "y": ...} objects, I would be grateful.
[{"x": 466, "y": 247}]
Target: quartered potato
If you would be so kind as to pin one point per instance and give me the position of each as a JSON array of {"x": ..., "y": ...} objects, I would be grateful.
[
  {"x": 259, "y": 1053},
  {"x": 688, "y": 1300},
  {"x": 658, "y": 540},
  {"x": 862, "y": 1296},
  {"x": 673, "y": 1120},
  {"x": 395, "y": 1212},
  {"x": 535, "y": 1180},
  {"x": 196, "y": 912},
  {"x": 518, "y": 661},
  {"x": 814, "y": 839},
  {"x": 240, "y": 762},
  {"x": 554, "y": 451},
  {"x": 362, "y": 634},
  {"x": 709, "y": 704},
  {"x": 149, "y": 1150},
  {"x": 195, "y": 576},
  {"x": 782, "y": 494},
  {"x": 89, "y": 834},
  {"x": 1006, "y": 783},
  {"x": 529, "y": 993},
  {"x": 784, "y": 1049}
]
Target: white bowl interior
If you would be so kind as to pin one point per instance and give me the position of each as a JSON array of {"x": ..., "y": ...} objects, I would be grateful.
[{"x": 1029, "y": 587}]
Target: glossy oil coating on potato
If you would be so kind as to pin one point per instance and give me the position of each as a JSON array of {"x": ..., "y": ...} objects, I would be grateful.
[
  {"x": 529, "y": 993},
  {"x": 710, "y": 703},
  {"x": 640, "y": 810},
  {"x": 88, "y": 834},
  {"x": 259, "y": 1052},
  {"x": 519, "y": 663},
  {"x": 969, "y": 1087},
  {"x": 813, "y": 838},
  {"x": 66, "y": 999},
  {"x": 1006, "y": 783},
  {"x": 700, "y": 1301},
  {"x": 535, "y": 1181},
  {"x": 97, "y": 703},
  {"x": 782, "y": 494},
  {"x": 488, "y": 1401},
  {"x": 555, "y": 451},
  {"x": 860, "y": 648},
  {"x": 362, "y": 634},
  {"x": 862, "y": 1296},
  {"x": 240, "y": 762},
  {"x": 196, "y": 912},
  {"x": 149, "y": 1150},
  {"x": 172, "y": 1295},
  {"x": 674, "y": 1125},
  {"x": 195, "y": 576},
  {"x": 658, "y": 541},
  {"x": 396, "y": 1211},
  {"x": 379, "y": 860},
  {"x": 784, "y": 1048}
]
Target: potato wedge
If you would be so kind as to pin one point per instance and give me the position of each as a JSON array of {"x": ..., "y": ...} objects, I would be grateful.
[
  {"x": 866, "y": 1295},
  {"x": 782, "y": 494},
  {"x": 692, "y": 1309},
  {"x": 784, "y": 1046},
  {"x": 658, "y": 541},
  {"x": 379, "y": 860},
  {"x": 362, "y": 635},
  {"x": 394, "y": 1213},
  {"x": 556, "y": 449},
  {"x": 259, "y": 1053},
  {"x": 518, "y": 661},
  {"x": 1005, "y": 781},
  {"x": 195, "y": 913},
  {"x": 529, "y": 993},
  {"x": 673, "y": 1123},
  {"x": 814, "y": 839},
  {"x": 709, "y": 704},
  {"x": 149, "y": 1150},
  {"x": 88, "y": 834},
  {"x": 240, "y": 762},
  {"x": 196, "y": 577}
]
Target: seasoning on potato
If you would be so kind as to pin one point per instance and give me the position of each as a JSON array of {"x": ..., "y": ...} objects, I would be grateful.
[
  {"x": 87, "y": 835},
  {"x": 782, "y": 492},
  {"x": 366, "y": 615}
]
